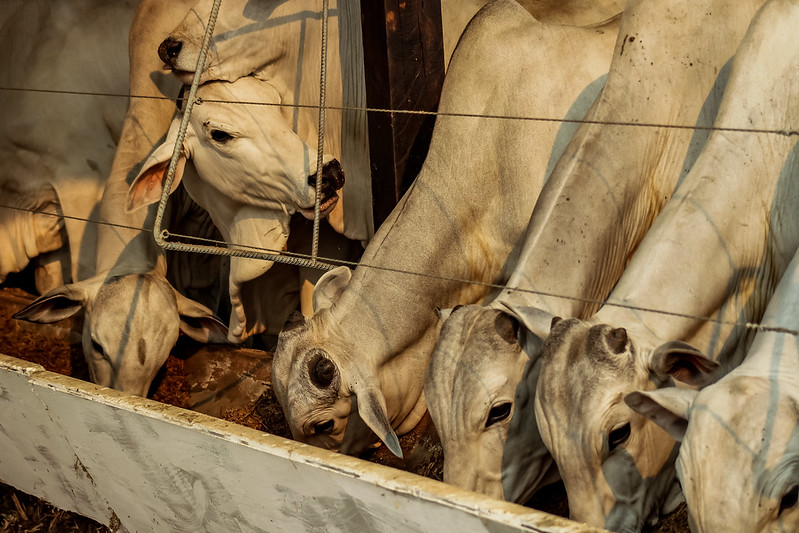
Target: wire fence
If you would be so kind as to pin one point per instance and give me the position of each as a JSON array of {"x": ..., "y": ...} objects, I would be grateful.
[
  {"x": 211, "y": 246},
  {"x": 200, "y": 101}
]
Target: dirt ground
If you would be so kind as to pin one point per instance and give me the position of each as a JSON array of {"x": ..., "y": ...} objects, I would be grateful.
[{"x": 57, "y": 349}]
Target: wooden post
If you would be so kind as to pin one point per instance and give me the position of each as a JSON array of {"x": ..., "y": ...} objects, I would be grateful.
[{"x": 404, "y": 63}]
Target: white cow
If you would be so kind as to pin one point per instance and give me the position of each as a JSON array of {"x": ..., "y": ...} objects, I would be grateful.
[
  {"x": 737, "y": 460},
  {"x": 357, "y": 368},
  {"x": 245, "y": 152},
  {"x": 471, "y": 408},
  {"x": 717, "y": 250},
  {"x": 56, "y": 148},
  {"x": 265, "y": 37},
  {"x": 278, "y": 42},
  {"x": 601, "y": 199},
  {"x": 130, "y": 286}
]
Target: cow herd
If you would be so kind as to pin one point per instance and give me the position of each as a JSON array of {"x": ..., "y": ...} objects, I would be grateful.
[{"x": 595, "y": 262}]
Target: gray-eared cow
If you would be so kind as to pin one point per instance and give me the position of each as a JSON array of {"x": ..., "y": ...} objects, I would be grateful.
[
  {"x": 131, "y": 313},
  {"x": 357, "y": 368},
  {"x": 708, "y": 265},
  {"x": 601, "y": 199},
  {"x": 740, "y": 441}
]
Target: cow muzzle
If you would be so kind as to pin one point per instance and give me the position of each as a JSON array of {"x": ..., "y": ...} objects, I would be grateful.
[
  {"x": 332, "y": 181},
  {"x": 168, "y": 51}
]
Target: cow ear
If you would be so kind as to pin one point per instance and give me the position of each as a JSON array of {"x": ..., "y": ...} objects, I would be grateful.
[
  {"x": 59, "y": 303},
  {"x": 147, "y": 187},
  {"x": 372, "y": 409},
  {"x": 199, "y": 322},
  {"x": 443, "y": 314},
  {"x": 535, "y": 320},
  {"x": 330, "y": 286},
  {"x": 682, "y": 362},
  {"x": 668, "y": 408}
]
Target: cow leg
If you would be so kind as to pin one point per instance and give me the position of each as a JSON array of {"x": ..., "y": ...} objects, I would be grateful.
[{"x": 51, "y": 269}]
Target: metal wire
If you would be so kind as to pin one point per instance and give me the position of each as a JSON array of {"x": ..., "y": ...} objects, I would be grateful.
[
  {"x": 786, "y": 133},
  {"x": 299, "y": 259},
  {"x": 160, "y": 237},
  {"x": 215, "y": 247},
  {"x": 321, "y": 133}
]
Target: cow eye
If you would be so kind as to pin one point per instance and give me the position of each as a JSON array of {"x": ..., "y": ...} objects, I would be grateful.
[
  {"x": 96, "y": 346},
  {"x": 618, "y": 436},
  {"x": 221, "y": 136},
  {"x": 323, "y": 427},
  {"x": 498, "y": 413},
  {"x": 789, "y": 499}
]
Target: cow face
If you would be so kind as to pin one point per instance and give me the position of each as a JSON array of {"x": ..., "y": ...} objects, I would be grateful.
[
  {"x": 329, "y": 400},
  {"x": 617, "y": 466},
  {"x": 310, "y": 388},
  {"x": 130, "y": 325},
  {"x": 748, "y": 421},
  {"x": 248, "y": 35},
  {"x": 244, "y": 154},
  {"x": 469, "y": 388},
  {"x": 252, "y": 173}
]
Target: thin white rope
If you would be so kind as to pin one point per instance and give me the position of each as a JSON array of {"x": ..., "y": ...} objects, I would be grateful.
[{"x": 232, "y": 249}]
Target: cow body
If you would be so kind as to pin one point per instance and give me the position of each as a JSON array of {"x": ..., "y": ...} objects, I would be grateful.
[
  {"x": 742, "y": 431},
  {"x": 472, "y": 434},
  {"x": 129, "y": 286},
  {"x": 602, "y": 197},
  {"x": 459, "y": 220},
  {"x": 56, "y": 148},
  {"x": 717, "y": 250},
  {"x": 278, "y": 43}
]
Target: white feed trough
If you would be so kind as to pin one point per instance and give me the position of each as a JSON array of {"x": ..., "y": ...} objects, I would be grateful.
[{"x": 139, "y": 465}]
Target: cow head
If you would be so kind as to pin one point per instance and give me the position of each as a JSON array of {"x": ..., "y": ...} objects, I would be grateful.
[
  {"x": 751, "y": 422},
  {"x": 329, "y": 400},
  {"x": 130, "y": 324},
  {"x": 248, "y": 35},
  {"x": 471, "y": 393},
  {"x": 253, "y": 173},
  {"x": 617, "y": 466}
]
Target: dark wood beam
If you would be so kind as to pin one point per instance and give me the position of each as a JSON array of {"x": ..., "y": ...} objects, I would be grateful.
[{"x": 404, "y": 63}]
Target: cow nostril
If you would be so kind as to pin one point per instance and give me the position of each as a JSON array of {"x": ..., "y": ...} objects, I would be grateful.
[
  {"x": 332, "y": 176},
  {"x": 169, "y": 50},
  {"x": 323, "y": 427}
]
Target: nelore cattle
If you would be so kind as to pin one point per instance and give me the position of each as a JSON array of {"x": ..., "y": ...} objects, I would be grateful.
[
  {"x": 56, "y": 148},
  {"x": 741, "y": 432},
  {"x": 601, "y": 199},
  {"x": 356, "y": 369},
  {"x": 131, "y": 313},
  {"x": 471, "y": 407},
  {"x": 707, "y": 266}
]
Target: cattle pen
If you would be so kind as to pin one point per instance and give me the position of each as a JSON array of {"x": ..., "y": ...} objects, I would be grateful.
[{"x": 134, "y": 463}]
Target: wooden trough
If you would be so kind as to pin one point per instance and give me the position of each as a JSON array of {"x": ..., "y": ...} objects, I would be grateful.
[{"x": 139, "y": 465}]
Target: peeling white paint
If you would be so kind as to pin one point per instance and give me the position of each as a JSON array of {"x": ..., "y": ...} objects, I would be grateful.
[{"x": 139, "y": 465}]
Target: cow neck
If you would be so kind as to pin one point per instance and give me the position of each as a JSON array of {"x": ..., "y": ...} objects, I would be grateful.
[{"x": 146, "y": 120}]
